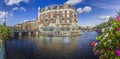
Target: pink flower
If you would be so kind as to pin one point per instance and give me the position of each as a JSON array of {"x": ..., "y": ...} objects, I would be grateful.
[
  {"x": 101, "y": 30},
  {"x": 118, "y": 18},
  {"x": 118, "y": 29},
  {"x": 117, "y": 53},
  {"x": 96, "y": 52},
  {"x": 107, "y": 49}
]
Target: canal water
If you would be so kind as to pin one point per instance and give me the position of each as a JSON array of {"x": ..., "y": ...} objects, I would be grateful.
[{"x": 51, "y": 47}]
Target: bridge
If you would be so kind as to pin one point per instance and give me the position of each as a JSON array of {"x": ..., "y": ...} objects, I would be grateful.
[{"x": 25, "y": 32}]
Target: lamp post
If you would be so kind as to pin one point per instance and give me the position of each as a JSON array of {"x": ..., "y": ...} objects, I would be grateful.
[
  {"x": 4, "y": 24},
  {"x": 5, "y": 12}
]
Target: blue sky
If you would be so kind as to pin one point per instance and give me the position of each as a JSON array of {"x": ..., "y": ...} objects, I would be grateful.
[{"x": 90, "y": 12}]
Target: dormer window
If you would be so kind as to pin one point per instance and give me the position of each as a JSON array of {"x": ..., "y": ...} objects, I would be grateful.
[{"x": 57, "y": 7}]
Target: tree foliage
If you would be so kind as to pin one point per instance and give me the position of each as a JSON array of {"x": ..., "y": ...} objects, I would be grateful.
[{"x": 5, "y": 32}]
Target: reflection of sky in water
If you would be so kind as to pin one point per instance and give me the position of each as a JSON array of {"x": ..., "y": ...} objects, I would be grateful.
[{"x": 52, "y": 47}]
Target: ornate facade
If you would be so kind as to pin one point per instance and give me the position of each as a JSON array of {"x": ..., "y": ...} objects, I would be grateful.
[{"x": 58, "y": 19}]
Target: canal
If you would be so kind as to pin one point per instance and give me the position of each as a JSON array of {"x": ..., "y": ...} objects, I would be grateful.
[{"x": 51, "y": 47}]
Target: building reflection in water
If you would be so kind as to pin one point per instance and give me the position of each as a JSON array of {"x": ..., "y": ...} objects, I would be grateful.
[{"x": 56, "y": 46}]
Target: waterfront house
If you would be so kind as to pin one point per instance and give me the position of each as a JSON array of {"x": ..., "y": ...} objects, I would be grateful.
[{"x": 58, "y": 20}]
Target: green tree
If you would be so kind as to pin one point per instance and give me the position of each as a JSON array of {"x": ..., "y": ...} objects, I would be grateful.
[{"x": 5, "y": 32}]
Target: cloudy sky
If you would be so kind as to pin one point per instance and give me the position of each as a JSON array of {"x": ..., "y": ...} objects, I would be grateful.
[{"x": 90, "y": 12}]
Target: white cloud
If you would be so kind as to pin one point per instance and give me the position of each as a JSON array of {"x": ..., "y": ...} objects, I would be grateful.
[
  {"x": 26, "y": 20},
  {"x": 22, "y": 8},
  {"x": 19, "y": 8},
  {"x": 107, "y": 6},
  {"x": 3, "y": 14},
  {"x": 11, "y": 2},
  {"x": 104, "y": 17},
  {"x": 80, "y": 10},
  {"x": 16, "y": 8},
  {"x": 73, "y": 2},
  {"x": 85, "y": 9}
]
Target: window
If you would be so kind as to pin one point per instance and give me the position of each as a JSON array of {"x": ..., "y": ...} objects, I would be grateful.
[
  {"x": 51, "y": 20},
  {"x": 49, "y": 8},
  {"x": 57, "y": 17},
  {"x": 46, "y": 7},
  {"x": 68, "y": 12},
  {"x": 65, "y": 7},
  {"x": 63, "y": 15},
  {"x": 68, "y": 29},
  {"x": 51, "y": 14},
  {"x": 67, "y": 20},
  {"x": 57, "y": 7},
  {"x": 62, "y": 20},
  {"x": 73, "y": 15},
  {"x": 57, "y": 13},
  {"x": 68, "y": 15},
  {"x": 57, "y": 21},
  {"x": 46, "y": 20},
  {"x": 63, "y": 12},
  {"x": 73, "y": 28},
  {"x": 62, "y": 29}
]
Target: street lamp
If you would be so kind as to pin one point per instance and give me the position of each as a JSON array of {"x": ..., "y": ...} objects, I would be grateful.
[{"x": 5, "y": 12}]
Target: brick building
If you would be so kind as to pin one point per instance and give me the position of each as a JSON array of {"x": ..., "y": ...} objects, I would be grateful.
[{"x": 58, "y": 19}]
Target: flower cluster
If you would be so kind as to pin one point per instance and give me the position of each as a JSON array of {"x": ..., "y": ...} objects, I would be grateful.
[
  {"x": 118, "y": 18},
  {"x": 109, "y": 43}
]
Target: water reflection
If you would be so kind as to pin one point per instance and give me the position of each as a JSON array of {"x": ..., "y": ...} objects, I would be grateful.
[
  {"x": 51, "y": 47},
  {"x": 56, "y": 46}
]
